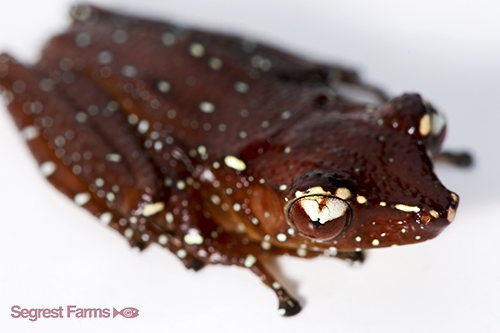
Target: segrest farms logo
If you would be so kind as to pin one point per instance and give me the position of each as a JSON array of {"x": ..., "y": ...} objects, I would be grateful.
[{"x": 71, "y": 311}]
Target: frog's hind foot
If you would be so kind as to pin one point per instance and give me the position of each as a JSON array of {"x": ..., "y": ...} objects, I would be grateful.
[{"x": 461, "y": 159}]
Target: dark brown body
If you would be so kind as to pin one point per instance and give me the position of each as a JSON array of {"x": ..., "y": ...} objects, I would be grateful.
[{"x": 202, "y": 142}]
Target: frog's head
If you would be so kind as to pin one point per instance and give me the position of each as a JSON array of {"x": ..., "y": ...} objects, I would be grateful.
[{"x": 361, "y": 178}]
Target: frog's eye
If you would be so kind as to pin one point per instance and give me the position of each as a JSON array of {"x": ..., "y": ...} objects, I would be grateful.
[
  {"x": 433, "y": 125},
  {"x": 319, "y": 217}
]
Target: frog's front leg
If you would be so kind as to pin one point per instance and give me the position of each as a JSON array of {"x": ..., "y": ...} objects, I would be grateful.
[
  {"x": 210, "y": 243},
  {"x": 460, "y": 159}
]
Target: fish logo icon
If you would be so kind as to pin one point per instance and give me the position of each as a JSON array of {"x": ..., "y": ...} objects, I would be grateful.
[{"x": 127, "y": 312}]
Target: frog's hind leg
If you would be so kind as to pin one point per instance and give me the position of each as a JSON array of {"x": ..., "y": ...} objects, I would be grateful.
[{"x": 76, "y": 154}]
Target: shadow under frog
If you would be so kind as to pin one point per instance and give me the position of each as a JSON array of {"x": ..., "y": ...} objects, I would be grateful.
[{"x": 225, "y": 151}]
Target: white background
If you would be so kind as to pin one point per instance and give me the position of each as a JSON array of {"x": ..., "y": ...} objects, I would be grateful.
[{"x": 54, "y": 254}]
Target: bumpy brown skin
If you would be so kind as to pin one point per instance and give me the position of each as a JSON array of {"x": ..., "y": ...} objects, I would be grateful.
[{"x": 197, "y": 141}]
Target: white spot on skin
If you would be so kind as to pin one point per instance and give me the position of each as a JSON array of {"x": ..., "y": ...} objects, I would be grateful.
[
  {"x": 169, "y": 217},
  {"x": 236, "y": 207},
  {"x": 383, "y": 203},
  {"x": 286, "y": 115},
  {"x": 241, "y": 87},
  {"x": 119, "y": 36},
  {"x": 182, "y": 253},
  {"x": 193, "y": 237},
  {"x": 29, "y": 133},
  {"x": 265, "y": 245},
  {"x": 215, "y": 199},
  {"x": 343, "y": 193},
  {"x": 361, "y": 199},
  {"x": 145, "y": 237},
  {"x": 287, "y": 150},
  {"x": 333, "y": 251},
  {"x": 281, "y": 237},
  {"x": 99, "y": 182},
  {"x": 82, "y": 198},
  {"x": 110, "y": 196},
  {"x": 128, "y": 233},
  {"x": 81, "y": 12},
  {"x": 417, "y": 237},
  {"x": 113, "y": 157},
  {"x": 301, "y": 252},
  {"x": 207, "y": 107},
  {"x": 152, "y": 208},
  {"x": 434, "y": 214},
  {"x": 81, "y": 117},
  {"x": 202, "y": 150},
  {"x": 143, "y": 126},
  {"x": 158, "y": 145},
  {"x": 104, "y": 57},
  {"x": 163, "y": 86},
  {"x": 451, "y": 215},
  {"x": 181, "y": 185},
  {"x": 83, "y": 39},
  {"x": 163, "y": 239},
  {"x": 375, "y": 242},
  {"x": 47, "y": 168},
  {"x": 133, "y": 119},
  {"x": 129, "y": 71},
  {"x": 283, "y": 187},
  {"x": 358, "y": 239},
  {"x": 196, "y": 50},
  {"x": 168, "y": 39},
  {"x": 234, "y": 163},
  {"x": 105, "y": 218},
  {"x": 250, "y": 260},
  {"x": 281, "y": 312},
  {"x": 215, "y": 63},
  {"x": 425, "y": 125},
  {"x": 408, "y": 209}
]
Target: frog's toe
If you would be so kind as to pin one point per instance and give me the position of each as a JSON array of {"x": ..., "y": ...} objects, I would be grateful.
[
  {"x": 137, "y": 245},
  {"x": 289, "y": 307},
  {"x": 195, "y": 265}
]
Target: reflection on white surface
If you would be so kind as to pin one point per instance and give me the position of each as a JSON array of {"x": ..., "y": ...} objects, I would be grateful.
[{"x": 54, "y": 254}]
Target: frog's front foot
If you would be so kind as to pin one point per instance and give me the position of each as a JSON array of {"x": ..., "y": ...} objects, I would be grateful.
[
  {"x": 353, "y": 258},
  {"x": 195, "y": 265},
  {"x": 460, "y": 159},
  {"x": 289, "y": 307}
]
